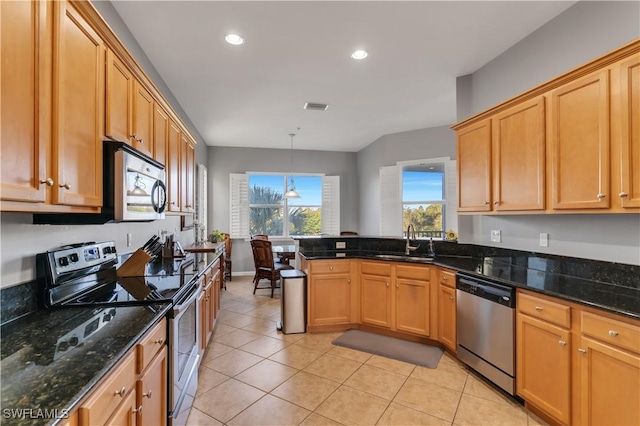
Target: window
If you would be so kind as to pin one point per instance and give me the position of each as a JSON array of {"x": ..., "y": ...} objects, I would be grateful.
[
  {"x": 423, "y": 200},
  {"x": 258, "y": 205},
  {"x": 421, "y": 193}
]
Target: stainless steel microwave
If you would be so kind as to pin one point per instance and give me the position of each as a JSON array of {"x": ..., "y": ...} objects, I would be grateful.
[{"x": 133, "y": 189}]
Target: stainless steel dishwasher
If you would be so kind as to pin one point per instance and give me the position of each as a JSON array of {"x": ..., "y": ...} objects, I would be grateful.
[{"x": 485, "y": 326}]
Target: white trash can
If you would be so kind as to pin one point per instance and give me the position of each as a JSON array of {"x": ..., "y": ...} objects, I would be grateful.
[{"x": 293, "y": 304}]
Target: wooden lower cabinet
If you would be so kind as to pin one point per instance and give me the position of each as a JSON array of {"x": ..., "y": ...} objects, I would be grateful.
[
  {"x": 395, "y": 296},
  {"x": 329, "y": 292},
  {"x": 575, "y": 364},
  {"x": 447, "y": 324},
  {"x": 125, "y": 413},
  {"x": 151, "y": 392},
  {"x": 543, "y": 360}
]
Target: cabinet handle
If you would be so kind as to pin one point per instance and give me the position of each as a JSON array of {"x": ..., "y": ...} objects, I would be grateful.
[
  {"x": 623, "y": 195},
  {"x": 66, "y": 185},
  {"x": 444, "y": 278},
  {"x": 331, "y": 268},
  {"x": 348, "y": 281},
  {"x": 387, "y": 284},
  {"x": 486, "y": 203},
  {"x": 159, "y": 341},
  {"x": 139, "y": 141},
  {"x": 600, "y": 196},
  {"x": 450, "y": 297},
  {"x": 538, "y": 308},
  {"x": 397, "y": 286},
  {"x": 562, "y": 343},
  {"x": 120, "y": 392},
  {"x": 47, "y": 181},
  {"x": 138, "y": 410},
  {"x": 496, "y": 203},
  {"x": 582, "y": 351},
  {"x": 613, "y": 333},
  {"x": 147, "y": 394}
]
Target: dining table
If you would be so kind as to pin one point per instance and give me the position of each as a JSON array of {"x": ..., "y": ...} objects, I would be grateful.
[{"x": 284, "y": 252}]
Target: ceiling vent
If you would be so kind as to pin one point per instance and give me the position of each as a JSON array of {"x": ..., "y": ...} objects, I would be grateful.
[{"x": 315, "y": 106}]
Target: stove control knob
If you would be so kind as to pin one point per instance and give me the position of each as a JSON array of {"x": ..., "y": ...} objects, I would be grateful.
[
  {"x": 113, "y": 249},
  {"x": 63, "y": 261},
  {"x": 73, "y": 341},
  {"x": 107, "y": 250},
  {"x": 73, "y": 257},
  {"x": 63, "y": 346},
  {"x": 106, "y": 317}
]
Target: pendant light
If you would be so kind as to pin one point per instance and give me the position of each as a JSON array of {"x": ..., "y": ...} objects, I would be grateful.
[{"x": 291, "y": 193}]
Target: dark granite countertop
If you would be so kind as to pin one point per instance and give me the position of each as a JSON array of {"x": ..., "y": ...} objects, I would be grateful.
[
  {"x": 613, "y": 298},
  {"x": 34, "y": 376}
]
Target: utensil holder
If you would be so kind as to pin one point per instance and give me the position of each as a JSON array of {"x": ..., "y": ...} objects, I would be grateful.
[{"x": 135, "y": 265}]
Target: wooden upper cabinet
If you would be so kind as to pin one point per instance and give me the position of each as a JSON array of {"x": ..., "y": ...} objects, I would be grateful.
[
  {"x": 474, "y": 167},
  {"x": 25, "y": 100},
  {"x": 160, "y": 134},
  {"x": 118, "y": 101},
  {"x": 78, "y": 102},
  {"x": 142, "y": 137},
  {"x": 629, "y": 191},
  {"x": 519, "y": 157},
  {"x": 173, "y": 168},
  {"x": 579, "y": 143},
  {"x": 187, "y": 175}
]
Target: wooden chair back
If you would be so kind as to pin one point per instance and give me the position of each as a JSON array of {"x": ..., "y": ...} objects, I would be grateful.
[
  {"x": 260, "y": 237},
  {"x": 348, "y": 233},
  {"x": 262, "y": 255}
]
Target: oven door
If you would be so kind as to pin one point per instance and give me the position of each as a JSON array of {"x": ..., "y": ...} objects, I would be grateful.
[{"x": 184, "y": 357}]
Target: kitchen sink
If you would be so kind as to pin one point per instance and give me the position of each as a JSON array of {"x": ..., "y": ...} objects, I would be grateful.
[{"x": 404, "y": 258}]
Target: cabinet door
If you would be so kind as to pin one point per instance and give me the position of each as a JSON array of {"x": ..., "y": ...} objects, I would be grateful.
[
  {"x": 630, "y": 153},
  {"x": 160, "y": 134},
  {"x": 151, "y": 392},
  {"x": 610, "y": 384},
  {"x": 447, "y": 324},
  {"x": 376, "y": 300},
  {"x": 543, "y": 359},
  {"x": 119, "y": 94},
  {"x": 173, "y": 168},
  {"x": 142, "y": 120},
  {"x": 330, "y": 297},
  {"x": 474, "y": 167},
  {"x": 25, "y": 85},
  {"x": 519, "y": 157},
  {"x": 412, "y": 306},
  {"x": 187, "y": 175},
  {"x": 579, "y": 143},
  {"x": 78, "y": 102},
  {"x": 125, "y": 415}
]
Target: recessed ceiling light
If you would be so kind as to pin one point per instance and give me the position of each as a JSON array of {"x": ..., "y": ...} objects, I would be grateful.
[
  {"x": 234, "y": 39},
  {"x": 359, "y": 54}
]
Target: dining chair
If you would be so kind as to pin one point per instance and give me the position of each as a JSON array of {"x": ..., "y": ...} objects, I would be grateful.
[
  {"x": 266, "y": 267},
  {"x": 348, "y": 233},
  {"x": 260, "y": 237},
  {"x": 227, "y": 259}
]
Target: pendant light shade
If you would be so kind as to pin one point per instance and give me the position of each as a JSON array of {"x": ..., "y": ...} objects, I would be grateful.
[{"x": 291, "y": 193}]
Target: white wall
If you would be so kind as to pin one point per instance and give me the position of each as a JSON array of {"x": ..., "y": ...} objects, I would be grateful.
[
  {"x": 583, "y": 32},
  {"x": 20, "y": 240},
  {"x": 226, "y": 160},
  {"x": 387, "y": 151}
]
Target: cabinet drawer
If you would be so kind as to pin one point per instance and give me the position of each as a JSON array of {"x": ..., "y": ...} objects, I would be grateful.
[
  {"x": 107, "y": 397},
  {"x": 544, "y": 309},
  {"x": 376, "y": 268},
  {"x": 447, "y": 278},
  {"x": 617, "y": 333},
  {"x": 330, "y": 266},
  {"x": 413, "y": 272},
  {"x": 151, "y": 344}
]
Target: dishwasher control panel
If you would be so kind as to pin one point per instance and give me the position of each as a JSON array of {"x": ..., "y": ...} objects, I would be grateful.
[{"x": 497, "y": 293}]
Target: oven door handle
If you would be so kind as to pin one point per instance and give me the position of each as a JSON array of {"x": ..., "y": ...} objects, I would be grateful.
[{"x": 190, "y": 299}]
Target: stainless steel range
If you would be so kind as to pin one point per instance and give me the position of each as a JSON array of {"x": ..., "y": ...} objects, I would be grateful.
[{"x": 85, "y": 274}]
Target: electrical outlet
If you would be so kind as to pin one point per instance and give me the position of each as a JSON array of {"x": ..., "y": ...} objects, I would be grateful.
[
  {"x": 544, "y": 239},
  {"x": 129, "y": 238},
  {"x": 496, "y": 236},
  {"x": 341, "y": 245}
]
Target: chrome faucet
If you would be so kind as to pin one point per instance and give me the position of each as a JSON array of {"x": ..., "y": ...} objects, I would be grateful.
[
  {"x": 430, "y": 251},
  {"x": 409, "y": 248}
]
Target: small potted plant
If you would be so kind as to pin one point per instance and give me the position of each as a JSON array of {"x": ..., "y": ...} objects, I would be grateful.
[{"x": 216, "y": 236}]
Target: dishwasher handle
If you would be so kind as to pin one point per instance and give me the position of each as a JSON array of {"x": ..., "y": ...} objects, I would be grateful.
[{"x": 493, "y": 292}]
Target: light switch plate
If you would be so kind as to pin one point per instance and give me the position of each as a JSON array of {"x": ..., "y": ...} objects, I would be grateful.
[
  {"x": 341, "y": 245},
  {"x": 544, "y": 239},
  {"x": 496, "y": 236}
]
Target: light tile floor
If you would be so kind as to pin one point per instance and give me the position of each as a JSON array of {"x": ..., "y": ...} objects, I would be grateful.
[{"x": 252, "y": 374}]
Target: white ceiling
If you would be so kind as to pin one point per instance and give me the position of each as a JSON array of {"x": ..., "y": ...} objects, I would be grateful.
[{"x": 298, "y": 51}]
